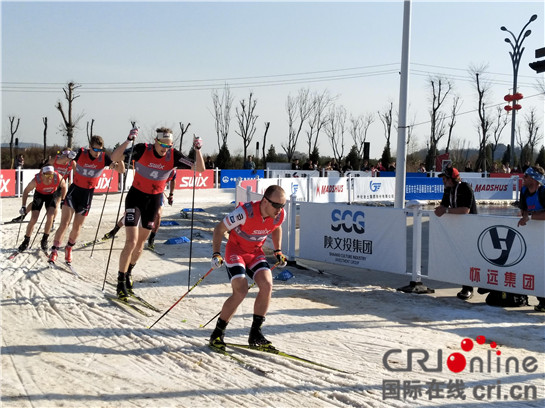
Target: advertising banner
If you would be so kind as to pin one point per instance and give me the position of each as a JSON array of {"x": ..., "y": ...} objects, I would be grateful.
[
  {"x": 108, "y": 177},
  {"x": 7, "y": 183},
  {"x": 374, "y": 188},
  {"x": 184, "y": 179},
  {"x": 491, "y": 188},
  {"x": 228, "y": 178},
  {"x": 357, "y": 236},
  {"x": 294, "y": 173},
  {"x": 488, "y": 252},
  {"x": 328, "y": 189}
]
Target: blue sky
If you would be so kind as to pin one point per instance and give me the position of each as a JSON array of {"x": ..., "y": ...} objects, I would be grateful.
[{"x": 117, "y": 50}]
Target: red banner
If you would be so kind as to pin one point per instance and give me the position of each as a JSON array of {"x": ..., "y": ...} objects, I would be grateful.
[
  {"x": 7, "y": 183},
  {"x": 184, "y": 179},
  {"x": 102, "y": 186}
]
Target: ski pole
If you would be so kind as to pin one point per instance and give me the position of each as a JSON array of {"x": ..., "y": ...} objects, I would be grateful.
[
  {"x": 117, "y": 217},
  {"x": 192, "y": 215},
  {"x": 184, "y": 295},
  {"x": 249, "y": 287},
  {"x": 35, "y": 235},
  {"x": 20, "y": 223}
]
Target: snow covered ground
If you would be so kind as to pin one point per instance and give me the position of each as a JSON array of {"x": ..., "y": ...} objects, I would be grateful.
[{"x": 65, "y": 344}]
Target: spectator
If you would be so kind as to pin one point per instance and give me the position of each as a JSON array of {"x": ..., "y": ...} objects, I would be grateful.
[
  {"x": 19, "y": 161},
  {"x": 380, "y": 167},
  {"x": 295, "y": 165},
  {"x": 458, "y": 198},
  {"x": 532, "y": 204},
  {"x": 249, "y": 163},
  {"x": 365, "y": 166},
  {"x": 347, "y": 167},
  {"x": 469, "y": 167},
  {"x": 209, "y": 164},
  {"x": 526, "y": 166},
  {"x": 335, "y": 165},
  {"x": 422, "y": 168},
  {"x": 392, "y": 166},
  {"x": 308, "y": 165}
]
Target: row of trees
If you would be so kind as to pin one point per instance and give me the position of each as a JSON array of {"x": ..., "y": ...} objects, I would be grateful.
[{"x": 315, "y": 115}]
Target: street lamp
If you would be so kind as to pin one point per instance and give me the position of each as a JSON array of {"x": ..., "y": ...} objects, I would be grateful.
[{"x": 515, "y": 60}]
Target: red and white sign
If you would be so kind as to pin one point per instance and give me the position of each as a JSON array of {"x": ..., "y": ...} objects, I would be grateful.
[
  {"x": 107, "y": 179},
  {"x": 7, "y": 183},
  {"x": 184, "y": 179}
]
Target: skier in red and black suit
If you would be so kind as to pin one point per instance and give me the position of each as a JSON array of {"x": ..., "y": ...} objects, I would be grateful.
[
  {"x": 248, "y": 226},
  {"x": 50, "y": 188},
  {"x": 153, "y": 166},
  {"x": 90, "y": 163}
]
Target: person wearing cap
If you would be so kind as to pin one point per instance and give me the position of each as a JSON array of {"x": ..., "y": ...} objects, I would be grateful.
[
  {"x": 50, "y": 188},
  {"x": 154, "y": 163},
  {"x": 532, "y": 205},
  {"x": 89, "y": 166},
  {"x": 458, "y": 198},
  {"x": 63, "y": 165}
]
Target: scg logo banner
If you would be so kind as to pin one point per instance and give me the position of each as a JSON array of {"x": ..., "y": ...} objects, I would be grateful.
[
  {"x": 348, "y": 221},
  {"x": 502, "y": 245}
]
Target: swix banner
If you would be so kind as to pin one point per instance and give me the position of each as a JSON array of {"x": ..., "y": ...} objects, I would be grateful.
[
  {"x": 107, "y": 179},
  {"x": 184, "y": 179},
  {"x": 7, "y": 183}
]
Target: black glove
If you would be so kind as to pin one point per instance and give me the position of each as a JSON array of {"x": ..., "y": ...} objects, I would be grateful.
[{"x": 170, "y": 199}]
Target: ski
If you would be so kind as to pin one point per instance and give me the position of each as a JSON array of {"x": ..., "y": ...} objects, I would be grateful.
[
  {"x": 139, "y": 299},
  {"x": 238, "y": 360},
  {"x": 69, "y": 265},
  {"x": 152, "y": 249},
  {"x": 272, "y": 350},
  {"x": 13, "y": 255},
  {"x": 127, "y": 304},
  {"x": 97, "y": 241},
  {"x": 145, "y": 303}
]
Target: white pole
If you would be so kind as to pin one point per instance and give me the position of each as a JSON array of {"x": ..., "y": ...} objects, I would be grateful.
[{"x": 402, "y": 120}]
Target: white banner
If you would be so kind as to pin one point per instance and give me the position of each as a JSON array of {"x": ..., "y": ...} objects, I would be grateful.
[
  {"x": 488, "y": 252},
  {"x": 328, "y": 190},
  {"x": 374, "y": 188},
  {"x": 357, "y": 236},
  {"x": 293, "y": 173},
  {"x": 491, "y": 188}
]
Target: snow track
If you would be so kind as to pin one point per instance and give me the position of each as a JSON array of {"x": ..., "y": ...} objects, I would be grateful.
[{"x": 65, "y": 344}]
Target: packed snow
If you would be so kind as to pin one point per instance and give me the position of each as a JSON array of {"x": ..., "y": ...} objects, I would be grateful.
[{"x": 64, "y": 343}]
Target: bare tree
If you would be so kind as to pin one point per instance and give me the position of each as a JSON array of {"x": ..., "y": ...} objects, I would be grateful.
[
  {"x": 335, "y": 129},
  {"x": 386, "y": 117},
  {"x": 533, "y": 135},
  {"x": 44, "y": 120},
  {"x": 299, "y": 109},
  {"x": 222, "y": 114},
  {"x": 183, "y": 131},
  {"x": 246, "y": 119},
  {"x": 455, "y": 108},
  {"x": 483, "y": 89},
  {"x": 440, "y": 88},
  {"x": 69, "y": 122},
  {"x": 13, "y": 128},
  {"x": 317, "y": 120},
  {"x": 358, "y": 130},
  {"x": 89, "y": 130},
  {"x": 497, "y": 129},
  {"x": 267, "y": 124}
]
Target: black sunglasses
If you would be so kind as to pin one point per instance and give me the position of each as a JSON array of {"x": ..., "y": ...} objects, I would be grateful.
[{"x": 275, "y": 205}]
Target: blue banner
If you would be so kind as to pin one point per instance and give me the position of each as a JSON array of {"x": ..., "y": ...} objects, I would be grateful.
[
  {"x": 424, "y": 188},
  {"x": 228, "y": 178}
]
